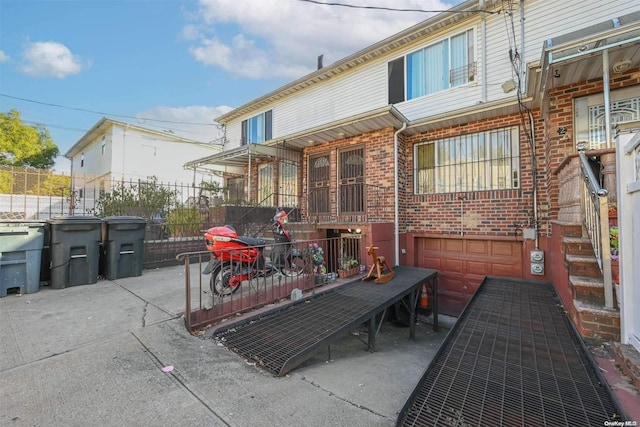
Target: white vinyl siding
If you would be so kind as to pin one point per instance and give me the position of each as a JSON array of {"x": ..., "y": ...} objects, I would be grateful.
[
  {"x": 542, "y": 23},
  {"x": 365, "y": 88}
]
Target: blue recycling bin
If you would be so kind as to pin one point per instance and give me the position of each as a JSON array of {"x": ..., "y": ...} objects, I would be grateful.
[{"x": 20, "y": 256}]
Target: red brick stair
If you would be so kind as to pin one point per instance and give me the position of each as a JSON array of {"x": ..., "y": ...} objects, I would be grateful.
[{"x": 589, "y": 314}]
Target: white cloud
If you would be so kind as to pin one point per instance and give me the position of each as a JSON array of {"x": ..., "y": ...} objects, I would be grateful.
[
  {"x": 205, "y": 131},
  {"x": 51, "y": 59},
  {"x": 283, "y": 38},
  {"x": 3, "y": 57}
]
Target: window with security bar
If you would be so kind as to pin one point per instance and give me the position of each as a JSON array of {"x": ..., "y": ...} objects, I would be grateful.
[
  {"x": 318, "y": 187},
  {"x": 288, "y": 181},
  {"x": 480, "y": 161},
  {"x": 265, "y": 184},
  {"x": 351, "y": 181},
  {"x": 236, "y": 189}
]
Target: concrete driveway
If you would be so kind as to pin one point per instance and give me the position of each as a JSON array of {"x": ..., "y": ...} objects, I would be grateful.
[{"x": 93, "y": 355}]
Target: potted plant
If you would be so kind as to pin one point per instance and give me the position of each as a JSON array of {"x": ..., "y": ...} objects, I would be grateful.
[
  {"x": 615, "y": 256},
  {"x": 349, "y": 266},
  {"x": 316, "y": 255}
]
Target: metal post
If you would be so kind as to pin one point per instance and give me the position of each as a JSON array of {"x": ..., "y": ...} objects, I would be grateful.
[{"x": 607, "y": 101}]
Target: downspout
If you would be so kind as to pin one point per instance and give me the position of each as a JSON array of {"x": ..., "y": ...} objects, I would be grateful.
[
  {"x": 396, "y": 198},
  {"x": 534, "y": 166}
]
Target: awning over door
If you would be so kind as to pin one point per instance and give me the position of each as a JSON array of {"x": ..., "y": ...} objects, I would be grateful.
[{"x": 242, "y": 156}]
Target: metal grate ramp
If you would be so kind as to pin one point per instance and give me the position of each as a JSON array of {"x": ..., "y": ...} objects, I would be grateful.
[
  {"x": 512, "y": 359},
  {"x": 281, "y": 340},
  {"x": 276, "y": 341}
]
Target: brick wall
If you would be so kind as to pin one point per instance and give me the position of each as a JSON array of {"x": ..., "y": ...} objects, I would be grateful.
[{"x": 491, "y": 213}]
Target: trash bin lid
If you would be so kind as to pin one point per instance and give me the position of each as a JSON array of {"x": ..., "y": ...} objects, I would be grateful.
[
  {"x": 18, "y": 226},
  {"x": 21, "y": 222},
  {"x": 74, "y": 219},
  {"x": 124, "y": 219}
]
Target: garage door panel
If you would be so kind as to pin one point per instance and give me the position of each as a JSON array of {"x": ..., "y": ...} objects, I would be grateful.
[
  {"x": 455, "y": 246},
  {"x": 451, "y": 264},
  {"x": 504, "y": 249},
  {"x": 452, "y": 289},
  {"x": 473, "y": 282},
  {"x": 477, "y": 268},
  {"x": 506, "y": 270},
  {"x": 462, "y": 265},
  {"x": 432, "y": 244},
  {"x": 456, "y": 282},
  {"x": 436, "y": 262},
  {"x": 478, "y": 247}
]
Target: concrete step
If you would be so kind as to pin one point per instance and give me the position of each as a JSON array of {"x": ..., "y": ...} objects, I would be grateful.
[
  {"x": 577, "y": 246},
  {"x": 583, "y": 266},
  {"x": 587, "y": 289},
  {"x": 597, "y": 323}
]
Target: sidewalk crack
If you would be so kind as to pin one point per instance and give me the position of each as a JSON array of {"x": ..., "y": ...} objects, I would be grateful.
[{"x": 144, "y": 314}]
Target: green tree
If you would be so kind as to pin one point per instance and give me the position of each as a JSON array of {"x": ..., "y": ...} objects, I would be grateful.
[
  {"x": 24, "y": 145},
  {"x": 54, "y": 185},
  {"x": 6, "y": 182}
]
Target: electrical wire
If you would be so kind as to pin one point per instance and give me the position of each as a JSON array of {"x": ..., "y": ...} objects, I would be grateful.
[
  {"x": 393, "y": 9},
  {"x": 46, "y": 125},
  {"x": 105, "y": 114}
]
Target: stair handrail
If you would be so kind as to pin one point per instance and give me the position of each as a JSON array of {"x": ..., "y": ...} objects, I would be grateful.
[{"x": 596, "y": 222}]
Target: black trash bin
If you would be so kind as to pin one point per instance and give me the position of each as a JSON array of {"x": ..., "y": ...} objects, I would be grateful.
[
  {"x": 124, "y": 246},
  {"x": 75, "y": 250},
  {"x": 20, "y": 256}
]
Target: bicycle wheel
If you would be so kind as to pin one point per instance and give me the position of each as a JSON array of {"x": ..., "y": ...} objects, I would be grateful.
[{"x": 293, "y": 267}]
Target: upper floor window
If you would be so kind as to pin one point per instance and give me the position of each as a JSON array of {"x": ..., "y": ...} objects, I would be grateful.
[
  {"x": 82, "y": 160},
  {"x": 257, "y": 129},
  {"x": 103, "y": 145},
  {"x": 439, "y": 66},
  {"x": 480, "y": 161}
]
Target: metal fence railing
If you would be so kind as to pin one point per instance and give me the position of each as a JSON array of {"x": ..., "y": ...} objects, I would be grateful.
[{"x": 282, "y": 269}]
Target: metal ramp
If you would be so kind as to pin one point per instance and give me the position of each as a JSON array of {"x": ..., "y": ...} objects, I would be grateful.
[
  {"x": 512, "y": 359},
  {"x": 281, "y": 340}
]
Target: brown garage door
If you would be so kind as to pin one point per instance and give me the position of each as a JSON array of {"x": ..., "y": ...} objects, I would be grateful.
[{"x": 463, "y": 264}]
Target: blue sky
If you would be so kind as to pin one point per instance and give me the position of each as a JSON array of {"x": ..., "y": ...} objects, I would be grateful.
[{"x": 180, "y": 61}]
